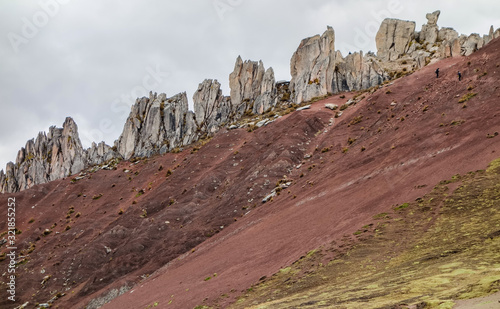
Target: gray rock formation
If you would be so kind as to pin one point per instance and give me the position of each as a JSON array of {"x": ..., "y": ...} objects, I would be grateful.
[
  {"x": 100, "y": 153},
  {"x": 446, "y": 42},
  {"x": 212, "y": 109},
  {"x": 393, "y": 38},
  {"x": 447, "y": 34},
  {"x": 252, "y": 87},
  {"x": 157, "y": 125},
  {"x": 471, "y": 44},
  {"x": 312, "y": 66},
  {"x": 317, "y": 69},
  {"x": 430, "y": 31},
  {"x": 267, "y": 97},
  {"x": 53, "y": 155}
]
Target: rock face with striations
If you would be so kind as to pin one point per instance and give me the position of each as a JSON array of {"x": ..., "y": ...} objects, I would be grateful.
[
  {"x": 312, "y": 66},
  {"x": 53, "y": 155},
  {"x": 393, "y": 38},
  {"x": 317, "y": 69},
  {"x": 157, "y": 125},
  {"x": 252, "y": 87},
  {"x": 212, "y": 109}
]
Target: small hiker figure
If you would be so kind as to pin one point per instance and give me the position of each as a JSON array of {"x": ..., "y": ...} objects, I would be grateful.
[
  {"x": 437, "y": 73},
  {"x": 459, "y": 76}
]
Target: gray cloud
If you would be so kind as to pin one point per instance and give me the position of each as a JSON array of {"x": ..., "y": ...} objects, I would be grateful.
[{"x": 91, "y": 58}]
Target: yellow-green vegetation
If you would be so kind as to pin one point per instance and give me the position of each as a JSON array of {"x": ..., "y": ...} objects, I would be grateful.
[
  {"x": 155, "y": 304},
  {"x": 343, "y": 107},
  {"x": 441, "y": 248},
  {"x": 356, "y": 120},
  {"x": 98, "y": 196},
  {"x": 467, "y": 97}
]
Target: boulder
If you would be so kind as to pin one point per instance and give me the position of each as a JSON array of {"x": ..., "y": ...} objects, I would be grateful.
[
  {"x": 100, "y": 153},
  {"x": 331, "y": 106},
  {"x": 252, "y": 87},
  {"x": 430, "y": 31},
  {"x": 393, "y": 38},
  {"x": 447, "y": 34},
  {"x": 212, "y": 110},
  {"x": 433, "y": 17},
  {"x": 471, "y": 44}
]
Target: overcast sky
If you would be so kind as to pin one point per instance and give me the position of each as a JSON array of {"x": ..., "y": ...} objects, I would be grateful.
[{"x": 90, "y": 59}]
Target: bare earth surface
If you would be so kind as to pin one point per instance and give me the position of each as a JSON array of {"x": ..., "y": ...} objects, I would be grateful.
[
  {"x": 486, "y": 302},
  {"x": 189, "y": 229}
]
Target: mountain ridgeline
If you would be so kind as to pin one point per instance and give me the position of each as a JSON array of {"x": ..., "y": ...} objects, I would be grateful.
[{"x": 158, "y": 124}]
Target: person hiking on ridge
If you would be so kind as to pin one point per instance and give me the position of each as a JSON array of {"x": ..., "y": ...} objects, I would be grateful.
[
  {"x": 437, "y": 73},
  {"x": 459, "y": 76}
]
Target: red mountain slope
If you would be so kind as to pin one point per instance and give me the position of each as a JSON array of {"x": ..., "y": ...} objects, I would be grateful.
[{"x": 206, "y": 219}]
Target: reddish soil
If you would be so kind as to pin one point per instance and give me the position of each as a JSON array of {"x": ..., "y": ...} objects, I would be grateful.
[{"x": 217, "y": 226}]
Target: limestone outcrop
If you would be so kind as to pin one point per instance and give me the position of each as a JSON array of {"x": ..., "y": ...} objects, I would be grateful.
[
  {"x": 252, "y": 87},
  {"x": 445, "y": 42},
  {"x": 100, "y": 153},
  {"x": 157, "y": 124},
  {"x": 430, "y": 31},
  {"x": 317, "y": 69},
  {"x": 53, "y": 155},
  {"x": 212, "y": 109},
  {"x": 393, "y": 38},
  {"x": 312, "y": 66}
]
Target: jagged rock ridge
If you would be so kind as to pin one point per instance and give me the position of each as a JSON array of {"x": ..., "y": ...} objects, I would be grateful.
[
  {"x": 317, "y": 69},
  {"x": 51, "y": 156},
  {"x": 252, "y": 87},
  {"x": 158, "y": 124}
]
